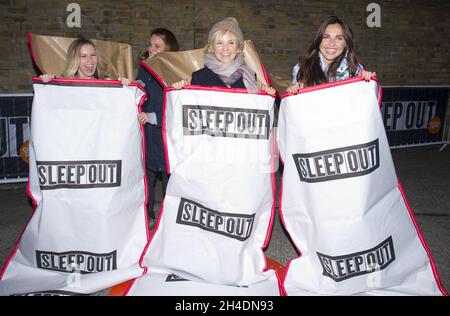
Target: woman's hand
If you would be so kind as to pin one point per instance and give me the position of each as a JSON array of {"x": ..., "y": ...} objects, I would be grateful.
[
  {"x": 295, "y": 87},
  {"x": 267, "y": 89},
  {"x": 46, "y": 77},
  {"x": 142, "y": 118},
  {"x": 124, "y": 81},
  {"x": 180, "y": 84},
  {"x": 366, "y": 75}
]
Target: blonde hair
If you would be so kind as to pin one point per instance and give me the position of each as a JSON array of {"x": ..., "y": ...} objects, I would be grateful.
[
  {"x": 73, "y": 59},
  {"x": 218, "y": 34}
]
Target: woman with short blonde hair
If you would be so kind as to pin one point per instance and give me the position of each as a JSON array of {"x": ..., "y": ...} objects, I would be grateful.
[
  {"x": 217, "y": 33},
  {"x": 224, "y": 61}
]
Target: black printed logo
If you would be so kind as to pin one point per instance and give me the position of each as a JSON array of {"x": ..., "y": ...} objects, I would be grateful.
[
  {"x": 339, "y": 163},
  {"x": 76, "y": 261},
  {"x": 340, "y": 268},
  {"x": 79, "y": 174},
  {"x": 174, "y": 278},
  {"x": 14, "y": 132},
  {"x": 408, "y": 115},
  {"x": 226, "y": 122},
  {"x": 237, "y": 226}
]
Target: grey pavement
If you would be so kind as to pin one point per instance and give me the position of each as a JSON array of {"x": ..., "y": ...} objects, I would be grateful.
[{"x": 423, "y": 171}]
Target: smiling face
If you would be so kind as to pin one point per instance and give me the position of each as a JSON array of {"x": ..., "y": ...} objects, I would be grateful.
[
  {"x": 88, "y": 61},
  {"x": 156, "y": 45},
  {"x": 333, "y": 43},
  {"x": 225, "y": 47}
]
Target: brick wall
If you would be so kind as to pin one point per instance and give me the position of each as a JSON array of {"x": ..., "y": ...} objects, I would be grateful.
[{"x": 411, "y": 47}]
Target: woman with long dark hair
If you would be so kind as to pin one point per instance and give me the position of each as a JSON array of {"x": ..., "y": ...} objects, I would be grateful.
[
  {"x": 161, "y": 40},
  {"x": 330, "y": 57}
]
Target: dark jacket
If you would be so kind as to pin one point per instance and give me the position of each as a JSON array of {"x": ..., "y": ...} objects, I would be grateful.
[
  {"x": 206, "y": 77},
  {"x": 154, "y": 149}
]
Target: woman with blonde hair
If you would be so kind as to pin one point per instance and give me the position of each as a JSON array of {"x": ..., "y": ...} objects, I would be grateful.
[
  {"x": 82, "y": 61},
  {"x": 224, "y": 61}
]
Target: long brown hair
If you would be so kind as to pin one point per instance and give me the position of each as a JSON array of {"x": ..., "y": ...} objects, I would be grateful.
[
  {"x": 169, "y": 40},
  {"x": 73, "y": 59},
  {"x": 310, "y": 72}
]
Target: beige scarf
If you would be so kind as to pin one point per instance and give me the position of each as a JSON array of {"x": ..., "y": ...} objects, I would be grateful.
[{"x": 232, "y": 71}]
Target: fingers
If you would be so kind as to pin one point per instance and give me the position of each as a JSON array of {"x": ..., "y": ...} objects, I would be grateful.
[
  {"x": 124, "y": 81},
  {"x": 367, "y": 75},
  {"x": 270, "y": 91},
  {"x": 267, "y": 89},
  {"x": 142, "y": 118},
  {"x": 180, "y": 84},
  {"x": 295, "y": 87},
  {"x": 46, "y": 77}
]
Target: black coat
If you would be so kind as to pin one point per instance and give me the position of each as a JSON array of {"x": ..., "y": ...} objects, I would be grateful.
[
  {"x": 206, "y": 77},
  {"x": 154, "y": 149}
]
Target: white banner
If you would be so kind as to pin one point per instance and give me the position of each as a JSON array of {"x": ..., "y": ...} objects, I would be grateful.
[
  {"x": 219, "y": 205},
  {"x": 341, "y": 201},
  {"x": 88, "y": 230}
]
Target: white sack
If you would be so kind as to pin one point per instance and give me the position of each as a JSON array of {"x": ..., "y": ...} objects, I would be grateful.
[
  {"x": 219, "y": 204},
  {"x": 87, "y": 182},
  {"x": 341, "y": 203}
]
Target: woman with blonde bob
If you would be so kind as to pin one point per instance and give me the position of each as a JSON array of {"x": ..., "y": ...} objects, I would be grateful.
[{"x": 224, "y": 62}]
